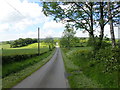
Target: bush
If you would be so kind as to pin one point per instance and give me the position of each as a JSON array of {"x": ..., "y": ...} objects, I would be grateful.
[
  {"x": 22, "y": 42},
  {"x": 96, "y": 44},
  {"x": 110, "y": 58},
  {"x": 102, "y": 66}
]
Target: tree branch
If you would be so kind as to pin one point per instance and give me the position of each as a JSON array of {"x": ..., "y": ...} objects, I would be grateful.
[{"x": 83, "y": 9}]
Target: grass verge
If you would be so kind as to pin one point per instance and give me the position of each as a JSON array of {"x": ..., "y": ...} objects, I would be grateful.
[
  {"x": 76, "y": 77},
  {"x": 15, "y": 78},
  {"x": 86, "y": 70}
]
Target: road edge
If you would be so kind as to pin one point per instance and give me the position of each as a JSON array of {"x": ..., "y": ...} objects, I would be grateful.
[{"x": 28, "y": 74}]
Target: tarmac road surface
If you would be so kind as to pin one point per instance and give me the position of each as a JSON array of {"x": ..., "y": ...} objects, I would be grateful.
[{"x": 51, "y": 75}]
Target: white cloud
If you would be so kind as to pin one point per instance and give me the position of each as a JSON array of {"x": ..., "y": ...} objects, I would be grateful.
[
  {"x": 9, "y": 13},
  {"x": 52, "y": 25},
  {"x": 19, "y": 14},
  {"x": 43, "y": 34},
  {"x": 107, "y": 31},
  {"x": 50, "y": 33},
  {"x": 81, "y": 34},
  {"x": 4, "y": 27}
]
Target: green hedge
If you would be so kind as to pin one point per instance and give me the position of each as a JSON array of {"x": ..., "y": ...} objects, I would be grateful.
[{"x": 15, "y": 58}]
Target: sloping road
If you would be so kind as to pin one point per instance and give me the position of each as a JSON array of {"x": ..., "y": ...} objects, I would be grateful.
[{"x": 51, "y": 75}]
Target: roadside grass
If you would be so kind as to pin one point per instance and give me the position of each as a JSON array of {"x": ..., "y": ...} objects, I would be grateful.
[
  {"x": 108, "y": 80},
  {"x": 81, "y": 81},
  {"x": 76, "y": 77},
  {"x": 19, "y": 65},
  {"x": 14, "y": 78},
  {"x": 70, "y": 66},
  {"x": 83, "y": 72}
]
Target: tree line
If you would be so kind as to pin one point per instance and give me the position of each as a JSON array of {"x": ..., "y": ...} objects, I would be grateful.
[
  {"x": 86, "y": 16},
  {"x": 51, "y": 42},
  {"x": 22, "y": 42}
]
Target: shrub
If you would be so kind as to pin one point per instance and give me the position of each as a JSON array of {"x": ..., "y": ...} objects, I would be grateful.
[{"x": 110, "y": 58}]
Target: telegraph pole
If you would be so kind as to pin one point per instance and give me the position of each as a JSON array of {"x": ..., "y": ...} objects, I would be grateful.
[
  {"x": 38, "y": 42},
  {"x": 119, "y": 36}
]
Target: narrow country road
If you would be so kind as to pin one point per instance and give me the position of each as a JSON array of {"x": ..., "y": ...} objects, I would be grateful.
[{"x": 51, "y": 75}]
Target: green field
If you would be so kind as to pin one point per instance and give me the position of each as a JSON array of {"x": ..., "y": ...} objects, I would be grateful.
[
  {"x": 5, "y": 46},
  {"x": 30, "y": 49}
]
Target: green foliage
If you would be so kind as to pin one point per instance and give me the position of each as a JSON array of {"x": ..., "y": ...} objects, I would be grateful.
[
  {"x": 84, "y": 16},
  {"x": 101, "y": 68},
  {"x": 22, "y": 42},
  {"x": 68, "y": 40},
  {"x": 96, "y": 44},
  {"x": 50, "y": 42},
  {"x": 110, "y": 57},
  {"x": 75, "y": 68}
]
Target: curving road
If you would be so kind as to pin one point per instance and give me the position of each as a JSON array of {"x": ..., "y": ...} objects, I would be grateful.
[{"x": 51, "y": 75}]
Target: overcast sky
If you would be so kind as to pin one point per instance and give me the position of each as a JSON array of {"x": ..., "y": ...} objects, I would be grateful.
[{"x": 21, "y": 18}]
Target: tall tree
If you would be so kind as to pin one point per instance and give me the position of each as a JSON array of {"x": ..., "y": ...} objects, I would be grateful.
[
  {"x": 82, "y": 15},
  {"x": 111, "y": 24},
  {"x": 102, "y": 16},
  {"x": 87, "y": 9},
  {"x": 68, "y": 36},
  {"x": 114, "y": 18},
  {"x": 50, "y": 42},
  {"x": 79, "y": 13}
]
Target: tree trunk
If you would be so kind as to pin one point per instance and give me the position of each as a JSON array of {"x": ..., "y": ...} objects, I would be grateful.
[
  {"x": 91, "y": 33},
  {"x": 68, "y": 42},
  {"x": 101, "y": 36},
  {"x": 101, "y": 25},
  {"x": 111, "y": 26}
]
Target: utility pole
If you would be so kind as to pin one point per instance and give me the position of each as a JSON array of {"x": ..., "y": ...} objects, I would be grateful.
[
  {"x": 38, "y": 42},
  {"x": 119, "y": 36}
]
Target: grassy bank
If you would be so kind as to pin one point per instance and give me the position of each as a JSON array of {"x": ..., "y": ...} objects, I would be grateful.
[
  {"x": 34, "y": 64},
  {"x": 85, "y": 71},
  {"x": 19, "y": 65}
]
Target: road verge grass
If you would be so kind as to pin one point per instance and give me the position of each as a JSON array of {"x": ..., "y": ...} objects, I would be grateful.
[
  {"x": 98, "y": 70},
  {"x": 75, "y": 75},
  {"x": 15, "y": 78}
]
